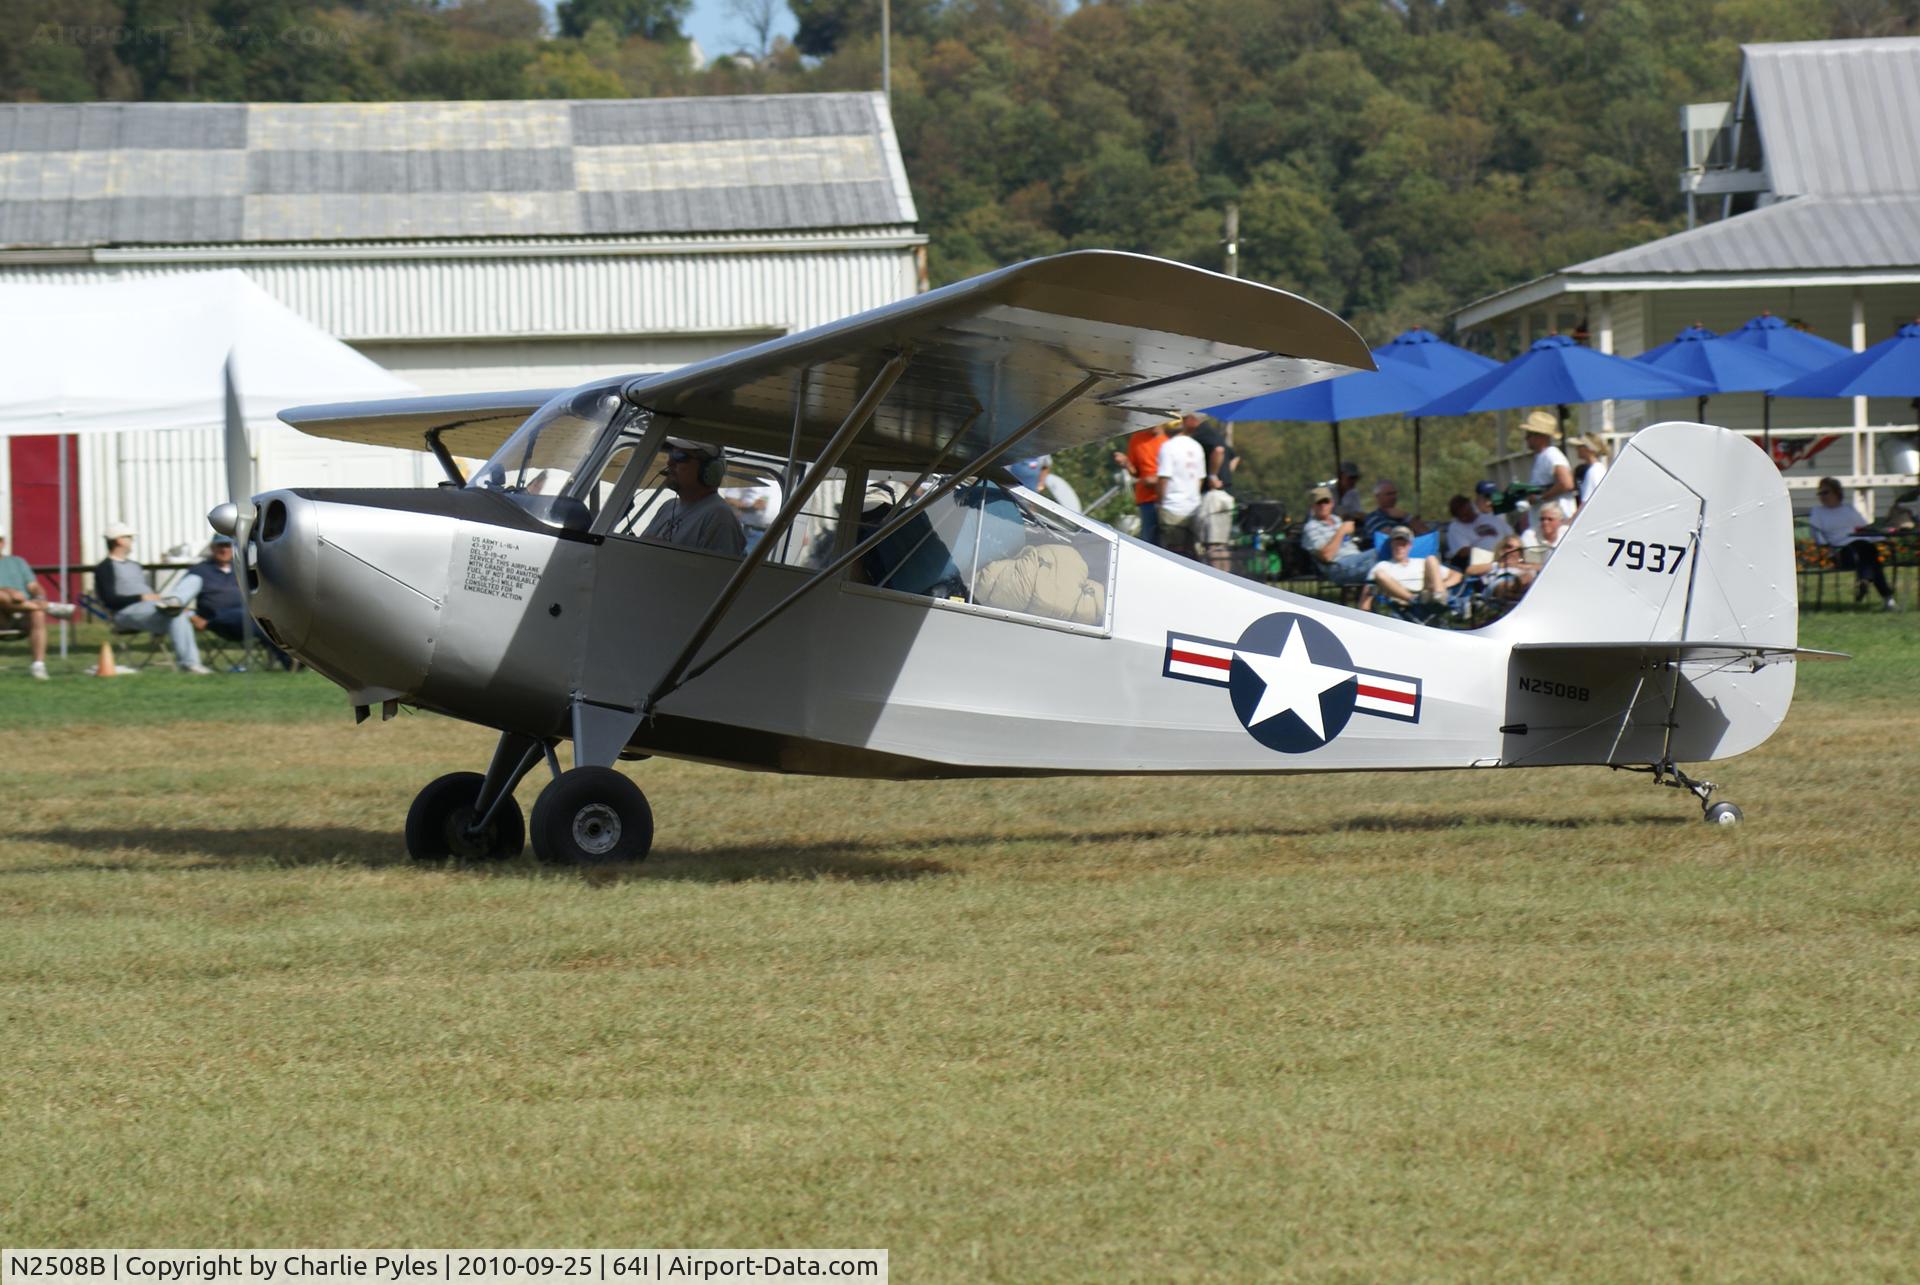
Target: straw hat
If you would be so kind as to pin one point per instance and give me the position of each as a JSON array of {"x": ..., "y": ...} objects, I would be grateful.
[{"x": 1541, "y": 421}]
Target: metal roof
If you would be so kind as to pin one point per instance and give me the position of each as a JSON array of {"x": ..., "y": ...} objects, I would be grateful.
[
  {"x": 203, "y": 173},
  {"x": 1837, "y": 117},
  {"x": 1808, "y": 233}
]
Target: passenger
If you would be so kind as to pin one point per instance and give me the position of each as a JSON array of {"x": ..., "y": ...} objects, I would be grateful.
[
  {"x": 24, "y": 602},
  {"x": 121, "y": 585},
  {"x": 698, "y": 517}
]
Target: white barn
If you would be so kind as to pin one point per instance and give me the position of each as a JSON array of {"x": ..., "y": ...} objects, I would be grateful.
[
  {"x": 1815, "y": 174},
  {"x": 465, "y": 246}
]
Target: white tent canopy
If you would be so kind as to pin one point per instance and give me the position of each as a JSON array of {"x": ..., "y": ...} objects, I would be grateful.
[
  {"x": 135, "y": 368},
  {"x": 147, "y": 354}
]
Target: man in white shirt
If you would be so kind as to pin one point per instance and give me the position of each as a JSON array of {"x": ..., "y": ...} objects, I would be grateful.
[
  {"x": 1551, "y": 472},
  {"x": 697, "y": 517},
  {"x": 1182, "y": 472},
  {"x": 1472, "y": 530},
  {"x": 1544, "y": 536}
]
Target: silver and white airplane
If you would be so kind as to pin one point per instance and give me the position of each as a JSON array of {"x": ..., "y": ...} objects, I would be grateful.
[{"x": 906, "y": 610}]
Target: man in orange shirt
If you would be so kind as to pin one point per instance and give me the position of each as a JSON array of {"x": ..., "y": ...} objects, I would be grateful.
[{"x": 1141, "y": 460}]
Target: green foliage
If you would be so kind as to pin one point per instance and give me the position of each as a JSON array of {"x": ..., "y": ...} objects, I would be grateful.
[{"x": 648, "y": 19}]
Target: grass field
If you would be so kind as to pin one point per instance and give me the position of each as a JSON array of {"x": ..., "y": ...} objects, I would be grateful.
[{"x": 1520, "y": 1025}]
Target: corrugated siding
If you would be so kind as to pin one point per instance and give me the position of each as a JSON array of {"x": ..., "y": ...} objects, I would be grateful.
[
  {"x": 164, "y": 483},
  {"x": 1838, "y": 117}
]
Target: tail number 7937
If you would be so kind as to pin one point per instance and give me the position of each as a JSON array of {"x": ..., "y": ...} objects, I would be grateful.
[{"x": 1647, "y": 555}]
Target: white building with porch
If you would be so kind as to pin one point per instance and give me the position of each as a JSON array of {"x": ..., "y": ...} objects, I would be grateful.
[{"x": 1811, "y": 183}]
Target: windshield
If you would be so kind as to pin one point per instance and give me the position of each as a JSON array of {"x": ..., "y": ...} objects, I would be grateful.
[{"x": 556, "y": 442}]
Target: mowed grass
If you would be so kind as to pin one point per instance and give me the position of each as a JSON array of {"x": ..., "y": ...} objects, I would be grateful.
[{"x": 1499, "y": 1024}]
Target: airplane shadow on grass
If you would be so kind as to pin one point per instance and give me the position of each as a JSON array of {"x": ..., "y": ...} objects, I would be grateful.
[{"x": 859, "y": 860}]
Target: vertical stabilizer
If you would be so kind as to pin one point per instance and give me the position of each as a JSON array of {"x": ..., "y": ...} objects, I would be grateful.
[{"x": 1689, "y": 538}]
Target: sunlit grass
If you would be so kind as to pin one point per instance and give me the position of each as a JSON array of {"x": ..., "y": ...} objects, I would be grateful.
[{"x": 1520, "y": 1024}]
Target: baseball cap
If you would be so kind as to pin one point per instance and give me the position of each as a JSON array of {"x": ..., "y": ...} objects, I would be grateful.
[
  {"x": 1318, "y": 494},
  {"x": 219, "y": 540},
  {"x": 1349, "y": 468},
  {"x": 692, "y": 447},
  {"x": 1400, "y": 533},
  {"x": 119, "y": 531},
  {"x": 1487, "y": 489}
]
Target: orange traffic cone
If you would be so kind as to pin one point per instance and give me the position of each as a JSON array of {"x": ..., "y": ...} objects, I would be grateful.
[{"x": 106, "y": 669}]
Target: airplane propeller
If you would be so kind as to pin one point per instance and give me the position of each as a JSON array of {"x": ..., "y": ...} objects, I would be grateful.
[{"x": 235, "y": 517}]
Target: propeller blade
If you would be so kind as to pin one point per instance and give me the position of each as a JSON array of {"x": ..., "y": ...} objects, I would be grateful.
[{"x": 239, "y": 451}]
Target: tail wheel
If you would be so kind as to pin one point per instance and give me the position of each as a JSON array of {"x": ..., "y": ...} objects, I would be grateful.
[
  {"x": 592, "y": 816},
  {"x": 440, "y": 823},
  {"x": 1723, "y": 814}
]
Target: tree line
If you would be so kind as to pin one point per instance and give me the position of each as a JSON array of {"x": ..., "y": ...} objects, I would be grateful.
[{"x": 1391, "y": 159}]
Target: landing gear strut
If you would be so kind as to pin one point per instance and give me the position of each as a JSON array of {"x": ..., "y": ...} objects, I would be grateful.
[
  {"x": 1667, "y": 772},
  {"x": 470, "y": 817}
]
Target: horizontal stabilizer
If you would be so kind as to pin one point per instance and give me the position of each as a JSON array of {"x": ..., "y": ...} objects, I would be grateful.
[{"x": 1645, "y": 654}]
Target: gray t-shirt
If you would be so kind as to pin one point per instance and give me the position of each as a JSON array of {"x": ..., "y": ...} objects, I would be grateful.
[
  {"x": 707, "y": 523},
  {"x": 1316, "y": 533}
]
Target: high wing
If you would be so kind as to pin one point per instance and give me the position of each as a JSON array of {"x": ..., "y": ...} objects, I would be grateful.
[{"x": 1139, "y": 337}]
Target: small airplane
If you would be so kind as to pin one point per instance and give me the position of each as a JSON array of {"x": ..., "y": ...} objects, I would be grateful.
[{"x": 904, "y": 609}]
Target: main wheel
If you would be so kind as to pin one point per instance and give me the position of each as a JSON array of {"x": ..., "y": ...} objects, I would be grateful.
[
  {"x": 1723, "y": 814},
  {"x": 591, "y": 816},
  {"x": 439, "y": 821}
]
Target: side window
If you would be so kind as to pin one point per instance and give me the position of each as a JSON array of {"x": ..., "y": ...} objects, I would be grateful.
[{"x": 986, "y": 546}]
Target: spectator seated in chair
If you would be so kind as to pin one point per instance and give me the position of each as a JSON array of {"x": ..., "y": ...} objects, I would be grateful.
[
  {"x": 220, "y": 608},
  {"x": 24, "y": 605},
  {"x": 1330, "y": 543},
  {"x": 1837, "y": 525},
  {"x": 1405, "y": 581},
  {"x": 122, "y": 587},
  {"x": 1387, "y": 513}
]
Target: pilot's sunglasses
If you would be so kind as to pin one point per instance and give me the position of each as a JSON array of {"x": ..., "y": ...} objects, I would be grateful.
[{"x": 678, "y": 456}]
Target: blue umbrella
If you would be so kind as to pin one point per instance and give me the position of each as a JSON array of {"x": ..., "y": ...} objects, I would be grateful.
[
  {"x": 1360, "y": 395},
  {"x": 1802, "y": 348},
  {"x": 1727, "y": 367},
  {"x": 1441, "y": 366},
  {"x": 1891, "y": 368},
  {"x": 1691, "y": 334},
  {"x": 1557, "y": 372},
  {"x": 1422, "y": 350}
]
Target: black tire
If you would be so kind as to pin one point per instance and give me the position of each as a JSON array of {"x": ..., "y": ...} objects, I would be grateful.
[
  {"x": 1724, "y": 814},
  {"x": 437, "y": 823},
  {"x": 592, "y": 816}
]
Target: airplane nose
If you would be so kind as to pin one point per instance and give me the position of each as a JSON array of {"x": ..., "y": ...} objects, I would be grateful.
[
  {"x": 282, "y": 567},
  {"x": 354, "y": 590}
]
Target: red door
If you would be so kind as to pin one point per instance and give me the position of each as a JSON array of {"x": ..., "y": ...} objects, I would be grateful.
[{"x": 34, "y": 524}]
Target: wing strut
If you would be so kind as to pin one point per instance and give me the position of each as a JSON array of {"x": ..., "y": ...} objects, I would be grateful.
[
  {"x": 849, "y": 429},
  {"x": 901, "y": 516}
]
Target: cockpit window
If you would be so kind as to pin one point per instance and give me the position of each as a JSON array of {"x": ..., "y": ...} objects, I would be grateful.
[
  {"x": 985, "y": 545},
  {"x": 557, "y": 454}
]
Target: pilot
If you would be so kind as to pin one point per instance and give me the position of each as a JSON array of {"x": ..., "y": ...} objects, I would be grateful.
[{"x": 699, "y": 517}]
